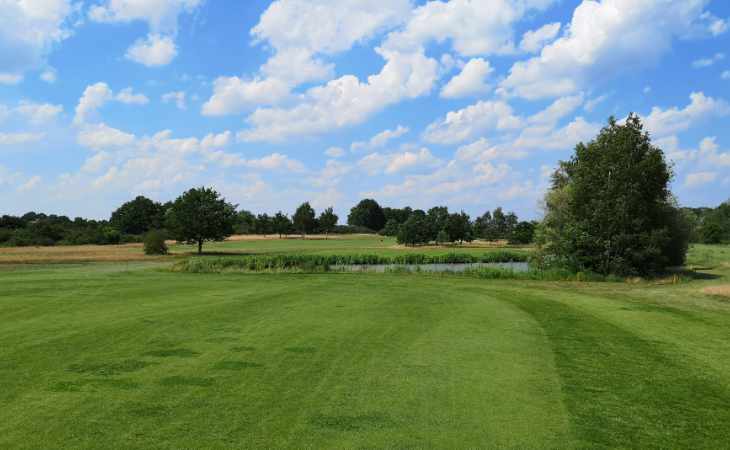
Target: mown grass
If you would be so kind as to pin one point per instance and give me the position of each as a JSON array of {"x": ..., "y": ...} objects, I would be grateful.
[{"x": 131, "y": 356}]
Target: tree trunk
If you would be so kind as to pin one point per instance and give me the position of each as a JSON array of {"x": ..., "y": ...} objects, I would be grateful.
[{"x": 200, "y": 247}]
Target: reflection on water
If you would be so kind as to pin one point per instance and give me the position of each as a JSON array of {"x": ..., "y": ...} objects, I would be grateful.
[{"x": 380, "y": 268}]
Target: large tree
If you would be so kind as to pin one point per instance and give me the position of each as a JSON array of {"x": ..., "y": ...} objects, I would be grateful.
[
  {"x": 138, "y": 216},
  {"x": 304, "y": 219},
  {"x": 610, "y": 209},
  {"x": 201, "y": 215},
  {"x": 282, "y": 224},
  {"x": 368, "y": 214},
  {"x": 328, "y": 220}
]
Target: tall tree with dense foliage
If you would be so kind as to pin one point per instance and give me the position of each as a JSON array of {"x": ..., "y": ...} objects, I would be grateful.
[
  {"x": 201, "y": 215},
  {"x": 610, "y": 209},
  {"x": 415, "y": 230},
  {"x": 368, "y": 214},
  {"x": 328, "y": 220},
  {"x": 282, "y": 224},
  {"x": 458, "y": 227},
  {"x": 304, "y": 219},
  {"x": 138, "y": 216}
]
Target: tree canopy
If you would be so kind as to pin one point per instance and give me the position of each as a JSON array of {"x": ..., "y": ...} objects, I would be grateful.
[
  {"x": 138, "y": 216},
  {"x": 304, "y": 219},
  {"x": 368, "y": 214},
  {"x": 610, "y": 209},
  {"x": 201, "y": 215}
]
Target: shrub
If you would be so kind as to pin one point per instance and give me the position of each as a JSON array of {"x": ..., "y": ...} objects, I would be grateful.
[{"x": 154, "y": 243}]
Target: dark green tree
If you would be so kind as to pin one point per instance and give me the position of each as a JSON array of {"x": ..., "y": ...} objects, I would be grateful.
[
  {"x": 415, "y": 230},
  {"x": 282, "y": 224},
  {"x": 437, "y": 219},
  {"x": 201, "y": 215},
  {"x": 245, "y": 222},
  {"x": 304, "y": 219},
  {"x": 458, "y": 227},
  {"x": 610, "y": 209},
  {"x": 138, "y": 216},
  {"x": 368, "y": 214},
  {"x": 523, "y": 233},
  {"x": 328, "y": 220},
  {"x": 391, "y": 228}
]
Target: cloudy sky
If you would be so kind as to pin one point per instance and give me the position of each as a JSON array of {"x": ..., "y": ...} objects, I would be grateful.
[{"x": 466, "y": 103}]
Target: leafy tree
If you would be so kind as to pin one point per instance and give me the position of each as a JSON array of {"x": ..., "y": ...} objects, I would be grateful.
[
  {"x": 442, "y": 237},
  {"x": 327, "y": 221},
  {"x": 523, "y": 233},
  {"x": 610, "y": 209},
  {"x": 391, "y": 228},
  {"x": 437, "y": 220},
  {"x": 201, "y": 215},
  {"x": 304, "y": 219},
  {"x": 154, "y": 243},
  {"x": 245, "y": 222},
  {"x": 396, "y": 214},
  {"x": 368, "y": 214},
  {"x": 138, "y": 216},
  {"x": 415, "y": 230},
  {"x": 458, "y": 227},
  {"x": 282, "y": 224},
  {"x": 264, "y": 224}
]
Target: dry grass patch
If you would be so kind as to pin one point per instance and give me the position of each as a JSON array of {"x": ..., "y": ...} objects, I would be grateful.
[
  {"x": 720, "y": 291},
  {"x": 74, "y": 253}
]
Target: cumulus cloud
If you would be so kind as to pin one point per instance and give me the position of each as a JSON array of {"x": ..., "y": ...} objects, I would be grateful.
[
  {"x": 101, "y": 136},
  {"x": 708, "y": 62},
  {"x": 30, "y": 184},
  {"x": 697, "y": 179},
  {"x": 177, "y": 97},
  {"x": 472, "y": 27},
  {"x": 603, "y": 39},
  {"x": 472, "y": 121},
  {"x": 393, "y": 163},
  {"x": 153, "y": 51},
  {"x": 299, "y": 32},
  {"x": 158, "y": 48},
  {"x": 20, "y": 138},
  {"x": 380, "y": 140},
  {"x": 534, "y": 40},
  {"x": 346, "y": 100},
  {"x": 29, "y": 30},
  {"x": 335, "y": 152},
  {"x": 97, "y": 95},
  {"x": 472, "y": 80},
  {"x": 663, "y": 122},
  {"x": 31, "y": 112}
]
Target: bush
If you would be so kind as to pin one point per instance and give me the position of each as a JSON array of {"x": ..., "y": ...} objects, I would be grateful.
[{"x": 154, "y": 243}]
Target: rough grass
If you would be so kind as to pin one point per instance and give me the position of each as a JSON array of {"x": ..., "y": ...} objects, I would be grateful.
[{"x": 116, "y": 356}]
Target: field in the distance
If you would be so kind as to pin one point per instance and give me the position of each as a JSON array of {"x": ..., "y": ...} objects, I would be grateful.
[{"x": 129, "y": 355}]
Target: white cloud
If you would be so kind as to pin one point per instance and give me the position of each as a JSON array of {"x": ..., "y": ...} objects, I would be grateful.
[
  {"x": 97, "y": 95},
  {"x": 49, "y": 76},
  {"x": 707, "y": 62},
  {"x": 697, "y": 179},
  {"x": 471, "y": 80},
  {"x": 212, "y": 141},
  {"x": 34, "y": 113},
  {"x": 153, "y": 51},
  {"x": 715, "y": 25},
  {"x": 158, "y": 48},
  {"x": 392, "y": 163},
  {"x": 20, "y": 138},
  {"x": 594, "y": 102},
  {"x": 29, "y": 30},
  {"x": 160, "y": 15},
  {"x": 332, "y": 174},
  {"x": 346, "y": 100},
  {"x": 380, "y": 140},
  {"x": 101, "y": 136},
  {"x": 725, "y": 75},
  {"x": 298, "y": 31},
  {"x": 276, "y": 161},
  {"x": 482, "y": 151},
  {"x": 473, "y": 27},
  {"x": 603, "y": 39},
  {"x": 533, "y": 41},
  {"x": 335, "y": 152},
  {"x": 557, "y": 110},
  {"x": 545, "y": 137},
  {"x": 30, "y": 184},
  {"x": 663, "y": 122},
  {"x": 471, "y": 122},
  {"x": 128, "y": 97},
  {"x": 233, "y": 94},
  {"x": 178, "y": 97}
]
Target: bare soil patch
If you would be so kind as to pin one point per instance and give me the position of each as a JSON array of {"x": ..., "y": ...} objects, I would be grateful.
[
  {"x": 75, "y": 253},
  {"x": 720, "y": 291}
]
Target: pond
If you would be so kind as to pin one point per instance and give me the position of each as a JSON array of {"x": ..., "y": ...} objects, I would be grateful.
[{"x": 381, "y": 268}]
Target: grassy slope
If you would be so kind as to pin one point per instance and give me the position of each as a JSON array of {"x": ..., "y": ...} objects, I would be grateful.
[{"x": 119, "y": 356}]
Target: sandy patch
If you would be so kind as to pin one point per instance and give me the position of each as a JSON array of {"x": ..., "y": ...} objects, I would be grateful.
[{"x": 721, "y": 291}]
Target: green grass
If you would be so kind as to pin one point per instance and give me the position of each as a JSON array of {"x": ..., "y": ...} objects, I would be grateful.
[{"x": 134, "y": 356}]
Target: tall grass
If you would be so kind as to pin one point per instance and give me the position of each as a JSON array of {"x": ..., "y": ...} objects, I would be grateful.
[{"x": 322, "y": 263}]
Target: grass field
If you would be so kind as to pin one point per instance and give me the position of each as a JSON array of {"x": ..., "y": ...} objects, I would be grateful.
[{"x": 131, "y": 355}]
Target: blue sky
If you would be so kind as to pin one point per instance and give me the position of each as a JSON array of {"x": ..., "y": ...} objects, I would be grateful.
[{"x": 468, "y": 104}]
